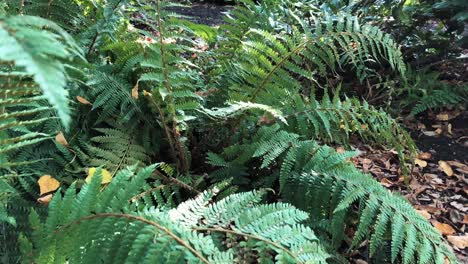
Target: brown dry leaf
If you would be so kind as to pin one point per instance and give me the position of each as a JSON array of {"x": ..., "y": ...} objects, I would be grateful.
[
  {"x": 83, "y": 100},
  {"x": 442, "y": 117},
  {"x": 420, "y": 163},
  {"x": 135, "y": 92},
  {"x": 445, "y": 167},
  {"x": 60, "y": 138},
  {"x": 47, "y": 184},
  {"x": 459, "y": 241},
  {"x": 340, "y": 150},
  {"x": 45, "y": 199},
  {"x": 265, "y": 119},
  {"x": 438, "y": 131},
  {"x": 465, "y": 219},
  {"x": 444, "y": 229},
  {"x": 449, "y": 129},
  {"x": 386, "y": 182},
  {"x": 425, "y": 156},
  {"x": 424, "y": 213}
]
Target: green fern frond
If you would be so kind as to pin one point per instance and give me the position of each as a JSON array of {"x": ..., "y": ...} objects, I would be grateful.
[
  {"x": 107, "y": 231},
  {"x": 388, "y": 216},
  {"x": 44, "y": 63}
]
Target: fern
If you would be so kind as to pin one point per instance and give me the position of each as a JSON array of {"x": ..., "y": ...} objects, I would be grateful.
[
  {"x": 331, "y": 191},
  {"x": 18, "y": 36},
  {"x": 107, "y": 231},
  {"x": 269, "y": 65},
  {"x": 390, "y": 217}
]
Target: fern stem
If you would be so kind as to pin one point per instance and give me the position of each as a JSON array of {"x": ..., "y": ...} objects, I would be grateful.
[
  {"x": 138, "y": 196},
  {"x": 183, "y": 164},
  {"x": 177, "y": 182},
  {"x": 277, "y": 66},
  {"x": 221, "y": 230},
  {"x": 179, "y": 240}
]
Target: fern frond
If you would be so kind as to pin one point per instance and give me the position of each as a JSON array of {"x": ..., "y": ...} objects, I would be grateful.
[
  {"x": 107, "y": 231},
  {"x": 378, "y": 208},
  {"x": 44, "y": 63}
]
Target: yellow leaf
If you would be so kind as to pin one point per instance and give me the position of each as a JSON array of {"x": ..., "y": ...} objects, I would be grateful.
[
  {"x": 83, "y": 100},
  {"x": 146, "y": 93},
  {"x": 106, "y": 176},
  {"x": 444, "y": 229},
  {"x": 445, "y": 168},
  {"x": 442, "y": 117},
  {"x": 420, "y": 163},
  {"x": 60, "y": 138},
  {"x": 460, "y": 242},
  {"x": 135, "y": 91},
  {"x": 48, "y": 184}
]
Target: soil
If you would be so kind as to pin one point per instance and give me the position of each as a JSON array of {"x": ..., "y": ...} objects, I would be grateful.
[{"x": 208, "y": 14}]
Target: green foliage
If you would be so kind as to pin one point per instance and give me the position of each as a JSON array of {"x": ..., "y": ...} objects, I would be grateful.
[
  {"x": 44, "y": 63},
  {"x": 425, "y": 91},
  {"x": 107, "y": 229},
  {"x": 224, "y": 125}
]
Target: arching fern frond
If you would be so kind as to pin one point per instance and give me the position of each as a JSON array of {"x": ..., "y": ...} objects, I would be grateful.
[
  {"x": 18, "y": 38},
  {"x": 107, "y": 230},
  {"x": 387, "y": 216},
  {"x": 115, "y": 149},
  {"x": 273, "y": 65}
]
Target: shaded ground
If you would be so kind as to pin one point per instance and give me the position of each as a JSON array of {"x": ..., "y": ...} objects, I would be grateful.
[
  {"x": 208, "y": 14},
  {"x": 438, "y": 187}
]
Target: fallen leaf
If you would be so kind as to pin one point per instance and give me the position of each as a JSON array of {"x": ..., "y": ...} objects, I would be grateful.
[
  {"x": 420, "y": 163},
  {"x": 340, "y": 150},
  {"x": 48, "y": 184},
  {"x": 442, "y": 117},
  {"x": 458, "y": 241},
  {"x": 438, "y": 131},
  {"x": 449, "y": 129},
  {"x": 45, "y": 199},
  {"x": 425, "y": 156},
  {"x": 106, "y": 176},
  {"x": 445, "y": 168},
  {"x": 135, "y": 91},
  {"x": 60, "y": 138},
  {"x": 386, "y": 182},
  {"x": 146, "y": 93},
  {"x": 429, "y": 133},
  {"x": 424, "y": 213},
  {"x": 465, "y": 219},
  {"x": 459, "y": 206},
  {"x": 444, "y": 229},
  {"x": 83, "y": 100}
]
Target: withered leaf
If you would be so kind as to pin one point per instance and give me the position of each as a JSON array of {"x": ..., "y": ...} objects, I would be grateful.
[
  {"x": 47, "y": 184},
  {"x": 60, "y": 138},
  {"x": 83, "y": 100},
  {"x": 445, "y": 167}
]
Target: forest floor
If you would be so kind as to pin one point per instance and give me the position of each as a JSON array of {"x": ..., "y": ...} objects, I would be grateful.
[{"x": 438, "y": 184}]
